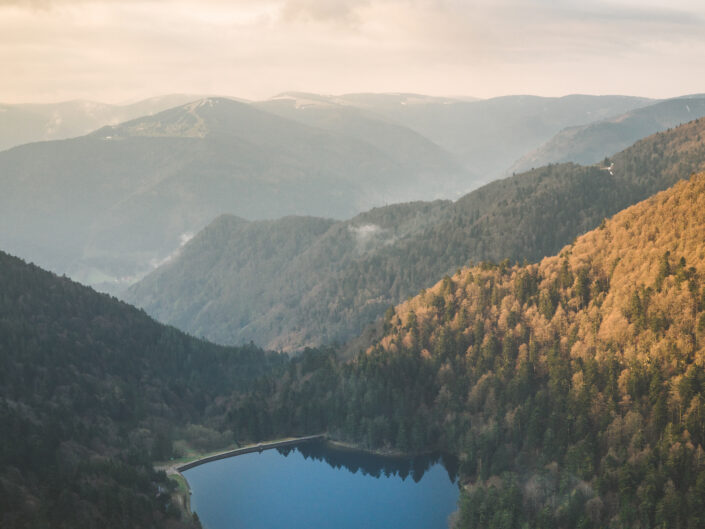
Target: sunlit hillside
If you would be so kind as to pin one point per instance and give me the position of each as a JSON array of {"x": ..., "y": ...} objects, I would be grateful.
[
  {"x": 571, "y": 389},
  {"x": 578, "y": 380}
]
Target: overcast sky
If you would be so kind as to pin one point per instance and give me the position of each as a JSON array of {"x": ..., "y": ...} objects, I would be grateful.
[{"x": 121, "y": 50}]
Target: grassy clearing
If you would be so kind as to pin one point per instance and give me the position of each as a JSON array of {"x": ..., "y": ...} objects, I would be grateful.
[{"x": 181, "y": 484}]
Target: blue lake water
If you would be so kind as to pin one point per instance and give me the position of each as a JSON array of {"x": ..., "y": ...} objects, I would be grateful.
[{"x": 315, "y": 486}]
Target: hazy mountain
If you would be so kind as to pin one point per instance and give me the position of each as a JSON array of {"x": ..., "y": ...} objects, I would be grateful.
[
  {"x": 92, "y": 393},
  {"x": 397, "y": 141},
  {"x": 332, "y": 282},
  {"x": 288, "y": 283},
  {"x": 109, "y": 206},
  {"x": 487, "y": 136},
  {"x": 591, "y": 143},
  {"x": 27, "y": 123}
]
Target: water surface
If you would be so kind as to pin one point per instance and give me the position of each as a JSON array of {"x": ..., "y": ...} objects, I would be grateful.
[{"x": 315, "y": 486}]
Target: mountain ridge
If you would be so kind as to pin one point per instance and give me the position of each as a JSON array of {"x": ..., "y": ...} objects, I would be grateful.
[
  {"x": 125, "y": 196},
  {"x": 33, "y": 122},
  {"x": 487, "y": 135},
  {"x": 333, "y": 289},
  {"x": 592, "y": 142}
]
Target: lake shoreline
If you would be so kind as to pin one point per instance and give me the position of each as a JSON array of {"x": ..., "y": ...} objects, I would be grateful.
[
  {"x": 336, "y": 481},
  {"x": 175, "y": 469},
  {"x": 258, "y": 447}
]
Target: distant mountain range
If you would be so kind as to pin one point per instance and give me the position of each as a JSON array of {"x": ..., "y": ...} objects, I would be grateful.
[
  {"x": 487, "y": 135},
  {"x": 27, "y": 123},
  {"x": 590, "y": 143},
  {"x": 107, "y": 207},
  {"x": 297, "y": 282}
]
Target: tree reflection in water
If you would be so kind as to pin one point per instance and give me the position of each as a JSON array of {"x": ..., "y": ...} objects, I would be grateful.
[{"x": 375, "y": 465}]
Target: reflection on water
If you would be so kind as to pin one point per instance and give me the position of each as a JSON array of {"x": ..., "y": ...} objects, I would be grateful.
[
  {"x": 315, "y": 485},
  {"x": 375, "y": 465}
]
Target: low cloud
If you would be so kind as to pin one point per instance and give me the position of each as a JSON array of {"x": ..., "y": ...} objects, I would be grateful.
[{"x": 184, "y": 238}]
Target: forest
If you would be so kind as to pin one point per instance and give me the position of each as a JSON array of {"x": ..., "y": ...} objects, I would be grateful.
[
  {"x": 571, "y": 390},
  {"x": 92, "y": 393}
]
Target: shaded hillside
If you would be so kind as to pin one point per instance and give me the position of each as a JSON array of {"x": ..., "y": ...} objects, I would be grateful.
[
  {"x": 590, "y": 143},
  {"x": 572, "y": 390},
  {"x": 92, "y": 391},
  {"x": 108, "y": 207},
  {"x": 28, "y": 123},
  {"x": 275, "y": 282},
  {"x": 348, "y": 276},
  {"x": 236, "y": 269}
]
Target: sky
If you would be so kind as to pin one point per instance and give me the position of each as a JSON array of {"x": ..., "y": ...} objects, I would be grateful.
[{"x": 123, "y": 50}]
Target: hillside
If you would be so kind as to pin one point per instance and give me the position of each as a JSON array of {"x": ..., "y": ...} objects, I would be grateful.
[
  {"x": 593, "y": 358},
  {"x": 590, "y": 143},
  {"x": 572, "y": 389},
  {"x": 92, "y": 392},
  {"x": 29, "y": 123},
  {"x": 106, "y": 208},
  {"x": 346, "y": 277},
  {"x": 276, "y": 282}
]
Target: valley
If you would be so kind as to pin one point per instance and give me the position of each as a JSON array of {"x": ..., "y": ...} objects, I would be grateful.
[
  {"x": 545, "y": 330},
  {"x": 311, "y": 264}
]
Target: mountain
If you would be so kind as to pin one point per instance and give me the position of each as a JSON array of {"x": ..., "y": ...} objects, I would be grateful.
[
  {"x": 571, "y": 390},
  {"x": 233, "y": 286},
  {"x": 289, "y": 283},
  {"x": 108, "y": 207},
  {"x": 92, "y": 391},
  {"x": 28, "y": 123},
  {"x": 489, "y": 135},
  {"x": 591, "y": 143},
  {"x": 396, "y": 141}
]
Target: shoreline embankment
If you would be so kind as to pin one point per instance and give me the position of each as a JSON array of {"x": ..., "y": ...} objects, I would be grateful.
[{"x": 248, "y": 450}]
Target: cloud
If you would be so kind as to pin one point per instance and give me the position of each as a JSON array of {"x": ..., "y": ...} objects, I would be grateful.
[
  {"x": 338, "y": 11},
  {"x": 123, "y": 49}
]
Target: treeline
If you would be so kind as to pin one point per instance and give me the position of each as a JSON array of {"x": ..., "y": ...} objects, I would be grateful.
[
  {"x": 92, "y": 392},
  {"x": 571, "y": 390}
]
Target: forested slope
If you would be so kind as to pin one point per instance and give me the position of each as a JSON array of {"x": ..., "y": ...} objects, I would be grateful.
[
  {"x": 572, "y": 389},
  {"x": 344, "y": 278},
  {"x": 92, "y": 391}
]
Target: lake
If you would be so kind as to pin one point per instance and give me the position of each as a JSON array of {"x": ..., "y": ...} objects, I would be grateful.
[{"x": 317, "y": 486}]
